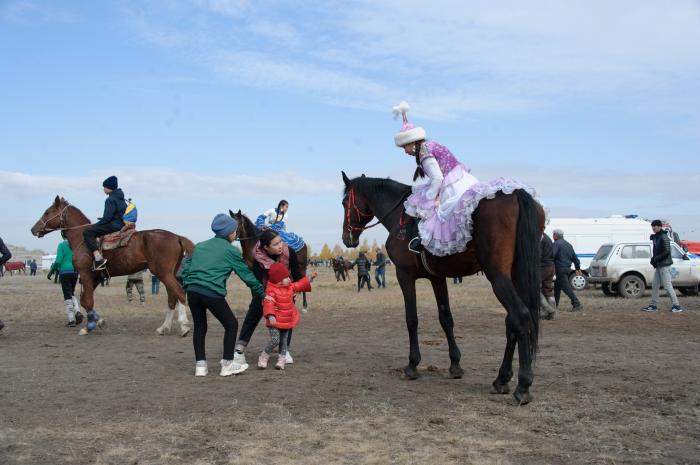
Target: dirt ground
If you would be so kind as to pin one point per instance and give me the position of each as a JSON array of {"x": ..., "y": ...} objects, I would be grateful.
[{"x": 613, "y": 385}]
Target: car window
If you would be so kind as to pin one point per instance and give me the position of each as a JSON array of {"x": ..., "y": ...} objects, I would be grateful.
[
  {"x": 603, "y": 252},
  {"x": 675, "y": 253},
  {"x": 636, "y": 251},
  {"x": 643, "y": 251}
]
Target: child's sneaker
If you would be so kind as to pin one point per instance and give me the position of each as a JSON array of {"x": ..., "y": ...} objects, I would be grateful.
[
  {"x": 650, "y": 308},
  {"x": 263, "y": 359},
  {"x": 281, "y": 362},
  {"x": 239, "y": 358},
  {"x": 676, "y": 309},
  {"x": 229, "y": 367},
  {"x": 201, "y": 369},
  {"x": 288, "y": 358}
]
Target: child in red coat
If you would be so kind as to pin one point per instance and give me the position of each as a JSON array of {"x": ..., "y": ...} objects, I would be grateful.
[{"x": 280, "y": 314}]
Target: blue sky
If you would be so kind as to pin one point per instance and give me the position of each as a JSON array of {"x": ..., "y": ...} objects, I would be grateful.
[{"x": 203, "y": 105}]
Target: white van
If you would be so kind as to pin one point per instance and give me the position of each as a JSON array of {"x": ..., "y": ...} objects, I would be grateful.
[{"x": 586, "y": 235}]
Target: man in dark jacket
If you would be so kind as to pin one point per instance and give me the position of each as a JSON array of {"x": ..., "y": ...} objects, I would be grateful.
[
  {"x": 380, "y": 268},
  {"x": 547, "y": 271},
  {"x": 564, "y": 257},
  {"x": 112, "y": 220},
  {"x": 5, "y": 255},
  {"x": 661, "y": 260},
  {"x": 363, "y": 265}
]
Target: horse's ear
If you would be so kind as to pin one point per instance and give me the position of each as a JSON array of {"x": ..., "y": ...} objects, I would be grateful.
[
  {"x": 345, "y": 179},
  {"x": 230, "y": 212},
  {"x": 63, "y": 199},
  {"x": 363, "y": 175},
  {"x": 57, "y": 200},
  {"x": 239, "y": 213}
]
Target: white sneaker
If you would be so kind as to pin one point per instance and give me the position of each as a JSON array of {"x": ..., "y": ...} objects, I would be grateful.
[
  {"x": 288, "y": 358},
  {"x": 239, "y": 358},
  {"x": 229, "y": 367},
  {"x": 201, "y": 370}
]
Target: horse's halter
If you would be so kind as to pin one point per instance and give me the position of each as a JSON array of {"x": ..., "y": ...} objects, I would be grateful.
[
  {"x": 62, "y": 221},
  {"x": 61, "y": 213},
  {"x": 352, "y": 206}
]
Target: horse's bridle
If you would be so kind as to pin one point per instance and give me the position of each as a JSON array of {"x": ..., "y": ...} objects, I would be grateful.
[
  {"x": 351, "y": 205},
  {"x": 62, "y": 221}
]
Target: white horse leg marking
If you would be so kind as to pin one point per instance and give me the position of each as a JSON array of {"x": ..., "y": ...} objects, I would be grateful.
[
  {"x": 167, "y": 324},
  {"x": 182, "y": 319}
]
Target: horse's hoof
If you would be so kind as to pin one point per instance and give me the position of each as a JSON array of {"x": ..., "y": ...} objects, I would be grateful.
[
  {"x": 184, "y": 332},
  {"x": 101, "y": 323},
  {"x": 456, "y": 372},
  {"x": 500, "y": 388},
  {"x": 83, "y": 332},
  {"x": 410, "y": 372},
  {"x": 161, "y": 332},
  {"x": 522, "y": 397}
]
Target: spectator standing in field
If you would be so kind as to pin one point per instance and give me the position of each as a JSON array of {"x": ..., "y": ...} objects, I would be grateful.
[
  {"x": 662, "y": 260},
  {"x": 564, "y": 256},
  {"x": 63, "y": 268},
  {"x": 155, "y": 284},
  {"x": 135, "y": 279},
  {"x": 5, "y": 255},
  {"x": 547, "y": 270},
  {"x": 363, "y": 266},
  {"x": 380, "y": 269},
  {"x": 32, "y": 268}
]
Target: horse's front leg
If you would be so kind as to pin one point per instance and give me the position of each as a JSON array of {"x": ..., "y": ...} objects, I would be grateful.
[
  {"x": 445, "y": 316},
  {"x": 87, "y": 300},
  {"x": 408, "y": 287}
]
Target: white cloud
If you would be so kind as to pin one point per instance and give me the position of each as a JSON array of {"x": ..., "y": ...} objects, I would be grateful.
[
  {"x": 30, "y": 13},
  {"x": 452, "y": 58},
  {"x": 165, "y": 182}
]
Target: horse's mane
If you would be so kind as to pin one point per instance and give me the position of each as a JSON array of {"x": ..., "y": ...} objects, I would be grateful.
[
  {"x": 251, "y": 229},
  {"x": 377, "y": 186}
]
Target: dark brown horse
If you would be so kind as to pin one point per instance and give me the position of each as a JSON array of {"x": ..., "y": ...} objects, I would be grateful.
[
  {"x": 505, "y": 246},
  {"x": 248, "y": 235},
  {"x": 158, "y": 250}
]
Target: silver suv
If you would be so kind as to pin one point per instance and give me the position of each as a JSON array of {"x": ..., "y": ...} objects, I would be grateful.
[{"x": 624, "y": 269}]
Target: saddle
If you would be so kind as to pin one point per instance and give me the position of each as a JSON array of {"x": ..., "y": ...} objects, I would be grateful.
[{"x": 117, "y": 239}]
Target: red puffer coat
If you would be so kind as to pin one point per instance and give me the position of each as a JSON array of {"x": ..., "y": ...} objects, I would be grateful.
[{"x": 285, "y": 313}]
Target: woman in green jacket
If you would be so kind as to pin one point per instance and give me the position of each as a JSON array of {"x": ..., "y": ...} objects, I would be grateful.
[
  {"x": 63, "y": 265},
  {"x": 204, "y": 277}
]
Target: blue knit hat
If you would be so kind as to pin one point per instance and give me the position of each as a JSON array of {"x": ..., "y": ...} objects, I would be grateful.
[
  {"x": 223, "y": 225},
  {"x": 111, "y": 183}
]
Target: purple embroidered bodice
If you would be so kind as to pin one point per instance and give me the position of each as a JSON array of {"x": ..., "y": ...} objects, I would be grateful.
[{"x": 446, "y": 161}]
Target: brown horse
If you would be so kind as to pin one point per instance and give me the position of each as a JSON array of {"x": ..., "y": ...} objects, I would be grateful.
[
  {"x": 17, "y": 266},
  {"x": 248, "y": 236},
  {"x": 505, "y": 246},
  {"x": 158, "y": 250}
]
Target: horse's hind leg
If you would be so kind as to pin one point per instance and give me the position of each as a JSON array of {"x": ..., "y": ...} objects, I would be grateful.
[
  {"x": 445, "y": 316},
  {"x": 505, "y": 373},
  {"x": 176, "y": 299},
  {"x": 516, "y": 332}
]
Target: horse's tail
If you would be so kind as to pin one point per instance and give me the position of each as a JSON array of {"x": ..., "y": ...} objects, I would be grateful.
[
  {"x": 186, "y": 244},
  {"x": 527, "y": 263}
]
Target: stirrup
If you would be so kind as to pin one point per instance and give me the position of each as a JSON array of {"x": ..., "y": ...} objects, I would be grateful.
[
  {"x": 413, "y": 247},
  {"x": 101, "y": 266}
]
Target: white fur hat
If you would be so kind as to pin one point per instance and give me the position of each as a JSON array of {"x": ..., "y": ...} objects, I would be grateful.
[{"x": 409, "y": 133}]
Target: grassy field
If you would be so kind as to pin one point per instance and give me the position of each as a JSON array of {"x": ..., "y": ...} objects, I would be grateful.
[{"x": 613, "y": 385}]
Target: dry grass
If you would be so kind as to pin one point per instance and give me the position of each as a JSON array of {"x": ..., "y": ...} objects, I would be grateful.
[{"x": 613, "y": 385}]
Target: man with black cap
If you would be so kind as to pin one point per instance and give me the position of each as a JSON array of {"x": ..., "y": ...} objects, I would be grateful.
[
  {"x": 112, "y": 220},
  {"x": 5, "y": 255},
  {"x": 661, "y": 260}
]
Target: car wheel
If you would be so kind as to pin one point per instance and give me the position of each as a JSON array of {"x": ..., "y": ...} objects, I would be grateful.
[
  {"x": 579, "y": 283},
  {"x": 609, "y": 289},
  {"x": 632, "y": 287},
  {"x": 689, "y": 291}
]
